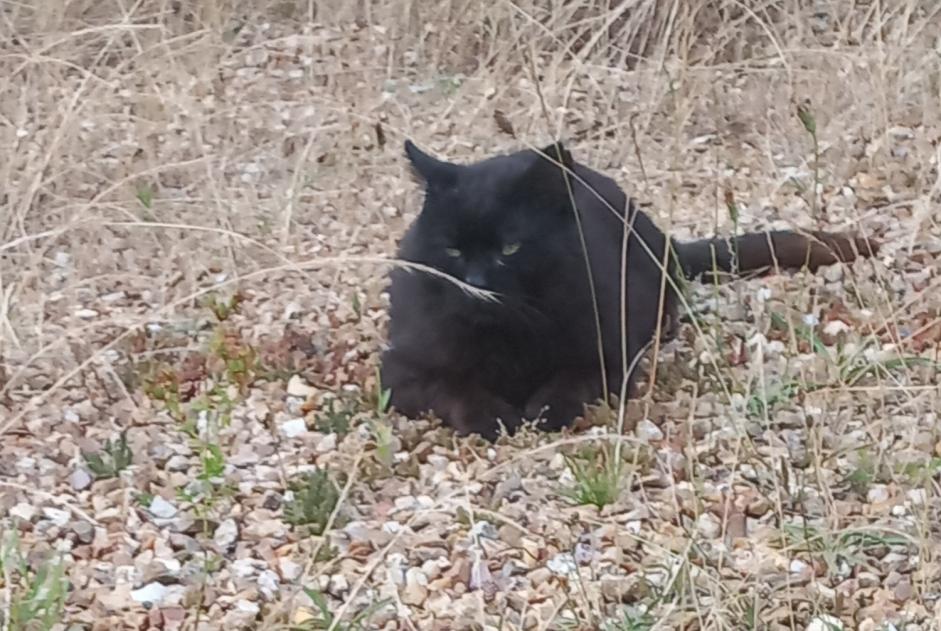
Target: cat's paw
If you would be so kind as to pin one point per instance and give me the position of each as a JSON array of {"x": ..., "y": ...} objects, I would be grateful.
[
  {"x": 485, "y": 417},
  {"x": 554, "y": 414}
]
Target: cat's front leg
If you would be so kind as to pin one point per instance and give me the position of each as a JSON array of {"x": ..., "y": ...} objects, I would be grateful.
[
  {"x": 463, "y": 405},
  {"x": 559, "y": 401},
  {"x": 477, "y": 411}
]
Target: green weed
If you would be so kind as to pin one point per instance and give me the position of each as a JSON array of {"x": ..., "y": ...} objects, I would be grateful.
[
  {"x": 598, "y": 477},
  {"x": 315, "y": 497},
  {"x": 326, "y": 620},
  {"x": 110, "y": 461},
  {"x": 34, "y": 598}
]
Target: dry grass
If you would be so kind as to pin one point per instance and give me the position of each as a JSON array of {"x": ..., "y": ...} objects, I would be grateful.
[{"x": 158, "y": 152}]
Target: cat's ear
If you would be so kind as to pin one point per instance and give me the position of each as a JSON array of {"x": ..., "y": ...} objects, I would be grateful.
[
  {"x": 433, "y": 172},
  {"x": 556, "y": 153}
]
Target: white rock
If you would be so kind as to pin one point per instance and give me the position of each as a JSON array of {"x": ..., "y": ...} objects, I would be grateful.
[
  {"x": 268, "y": 584},
  {"x": 161, "y": 508},
  {"x": 415, "y": 591},
  {"x": 289, "y": 569},
  {"x": 825, "y": 623},
  {"x": 395, "y": 568},
  {"x": 338, "y": 585},
  {"x": 79, "y": 479},
  {"x": 485, "y": 530},
  {"x": 226, "y": 533},
  {"x": 405, "y": 503},
  {"x": 23, "y": 511},
  {"x": 877, "y": 494},
  {"x": 833, "y": 273},
  {"x": 562, "y": 563},
  {"x": 327, "y": 444},
  {"x": 56, "y": 515},
  {"x": 177, "y": 462},
  {"x": 243, "y": 568},
  {"x": 648, "y": 431},
  {"x": 247, "y": 606},
  {"x": 709, "y": 525},
  {"x": 798, "y": 567},
  {"x": 425, "y": 501},
  {"x": 152, "y": 593},
  {"x": 293, "y": 428},
  {"x": 917, "y": 496},
  {"x": 297, "y": 387},
  {"x": 835, "y": 327},
  {"x": 438, "y": 462},
  {"x": 479, "y": 574},
  {"x": 86, "y": 314}
]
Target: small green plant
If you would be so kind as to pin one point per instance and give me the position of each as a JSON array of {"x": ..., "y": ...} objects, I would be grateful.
[
  {"x": 381, "y": 430},
  {"x": 34, "y": 598},
  {"x": 597, "y": 478},
  {"x": 315, "y": 498},
  {"x": 224, "y": 309},
  {"x": 761, "y": 404},
  {"x": 807, "y": 119},
  {"x": 110, "y": 461},
  {"x": 163, "y": 384},
  {"x": 209, "y": 486},
  {"x": 143, "y": 499},
  {"x": 921, "y": 472},
  {"x": 380, "y": 397},
  {"x": 849, "y": 369},
  {"x": 232, "y": 360},
  {"x": 145, "y": 195},
  {"x": 324, "y": 618},
  {"x": 632, "y": 619},
  {"x": 861, "y": 477},
  {"x": 336, "y": 416},
  {"x": 382, "y": 435},
  {"x": 836, "y": 549}
]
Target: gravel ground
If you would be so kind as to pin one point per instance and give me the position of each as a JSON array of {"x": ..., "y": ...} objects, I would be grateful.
[{"x": 197, "y": 212}]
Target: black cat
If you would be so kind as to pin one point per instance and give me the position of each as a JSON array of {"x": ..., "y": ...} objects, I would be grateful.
[{"x": 507, "y": 225}]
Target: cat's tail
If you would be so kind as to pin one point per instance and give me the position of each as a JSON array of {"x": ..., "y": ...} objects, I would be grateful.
[{"x": 770, "y": 251}]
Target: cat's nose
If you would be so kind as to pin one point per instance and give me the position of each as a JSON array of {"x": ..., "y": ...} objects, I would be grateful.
[{"x": 476, "y": 277}]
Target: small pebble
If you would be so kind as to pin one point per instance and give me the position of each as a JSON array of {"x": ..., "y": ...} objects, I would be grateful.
[
  {"x": 161, "y": 508},
  {"x": 268, "y": 584},
  {"x": 57, "y": 516},
  {"x": 293, "y": 428},
  {"x": 226, "y": 533},
  {"x": 825, "y": 623},
  {"x": 79, "y": 479},
  {"x": 648, "y": 431},
  {"x": 297, "y": 387},
  {"x": 83, "y": 530},
  {"x": 151, "y": 593}
]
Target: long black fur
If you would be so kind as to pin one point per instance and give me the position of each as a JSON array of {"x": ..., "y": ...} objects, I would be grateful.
[{"x": 507, "y": 225}]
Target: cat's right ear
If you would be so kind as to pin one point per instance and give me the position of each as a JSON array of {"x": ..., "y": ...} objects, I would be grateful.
[{"x": 433, "y": 172}]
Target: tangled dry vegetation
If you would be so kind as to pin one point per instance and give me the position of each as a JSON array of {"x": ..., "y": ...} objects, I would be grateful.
[{"x": 197, "y": 199}]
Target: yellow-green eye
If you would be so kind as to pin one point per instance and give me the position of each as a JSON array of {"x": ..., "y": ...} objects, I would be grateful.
[
  {"x": 511, "y": 248},
  {"x": 453, "y": 252}
]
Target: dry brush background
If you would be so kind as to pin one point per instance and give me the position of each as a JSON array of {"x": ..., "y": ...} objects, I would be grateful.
[{"x": 196, "y": 198}]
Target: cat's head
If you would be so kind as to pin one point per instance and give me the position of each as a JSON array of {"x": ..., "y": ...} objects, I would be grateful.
[{"x": 497, "y": 224}]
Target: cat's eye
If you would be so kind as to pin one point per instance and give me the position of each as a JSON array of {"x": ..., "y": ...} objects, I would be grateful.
[
  {"x": 511, "y": 248},
  {"x": 453, "y": 252}
]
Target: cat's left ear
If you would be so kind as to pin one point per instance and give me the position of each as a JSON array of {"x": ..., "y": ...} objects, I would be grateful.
[
  {"x": 434, "y": 172},
  {"x": 556, "y": 153}
]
